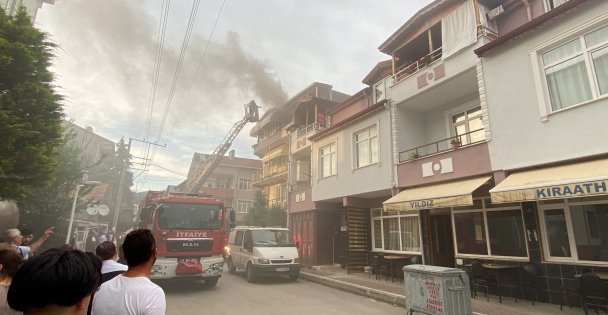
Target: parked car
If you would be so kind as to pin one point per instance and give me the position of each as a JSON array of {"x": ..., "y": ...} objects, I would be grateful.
[{"x": 262, "y": 251}]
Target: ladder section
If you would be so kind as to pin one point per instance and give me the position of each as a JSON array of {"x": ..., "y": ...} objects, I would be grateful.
[{"x": 204, "y": 171}]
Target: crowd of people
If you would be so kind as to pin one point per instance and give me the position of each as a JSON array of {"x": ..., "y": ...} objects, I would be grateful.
[{"x": 69, "y": 281}]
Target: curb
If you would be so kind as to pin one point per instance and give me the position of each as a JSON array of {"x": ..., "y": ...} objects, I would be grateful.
[
  {"x": 379, "y": 295},
  {"x": 375, "y": 294}
]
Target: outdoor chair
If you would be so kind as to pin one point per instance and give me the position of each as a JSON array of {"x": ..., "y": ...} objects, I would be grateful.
[
  {"x": 480, "y": 278},
  {"x": 531, "y": 280},
  {"x": 377, "y": 266},
  {"x": 593, "y": 292}
]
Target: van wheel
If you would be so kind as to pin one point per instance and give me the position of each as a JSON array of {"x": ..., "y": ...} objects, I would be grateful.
[
  {"x": 293, "y": 278},
  {"x": 250, "y": 274},
  {"x": 231, "y": 267}
]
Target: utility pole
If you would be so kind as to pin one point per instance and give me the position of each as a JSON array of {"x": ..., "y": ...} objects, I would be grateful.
[{"x": 125, "y": 165}]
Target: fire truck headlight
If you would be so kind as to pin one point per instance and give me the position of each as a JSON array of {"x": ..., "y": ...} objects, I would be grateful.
[{"x": 263, "y": 261}]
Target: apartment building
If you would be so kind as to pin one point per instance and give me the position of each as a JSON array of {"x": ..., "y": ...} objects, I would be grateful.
[
  {"x": 231, "y": 181},
  {"x": 548, "y": 151},
  {"x": 440, "y": 126},
  {"x": 273, "y": 140}
]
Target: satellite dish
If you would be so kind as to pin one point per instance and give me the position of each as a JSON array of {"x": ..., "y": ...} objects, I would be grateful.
[
  {"x": 104, "y": 210},
  {"x": 92, "y": 209}
]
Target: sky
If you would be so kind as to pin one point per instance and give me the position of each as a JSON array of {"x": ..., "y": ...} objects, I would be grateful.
[{"x": 262, "y": 50}]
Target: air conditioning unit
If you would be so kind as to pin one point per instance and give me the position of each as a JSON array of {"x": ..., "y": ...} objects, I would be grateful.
[{"x": 492, "y": 14}]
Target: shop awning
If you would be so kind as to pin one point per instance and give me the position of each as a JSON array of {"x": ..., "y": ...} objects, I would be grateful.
[
  {"x": 557, "y": 182},
  {"x": 452, "y": 194}
]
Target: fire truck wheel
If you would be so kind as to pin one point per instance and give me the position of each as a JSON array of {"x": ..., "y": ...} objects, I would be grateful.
[
  {"x": 211, "y": 282},
  {"x": 293, "y": 277},
  {"x": 231, "y": 267},
  {"x": 250, "y": 274}
]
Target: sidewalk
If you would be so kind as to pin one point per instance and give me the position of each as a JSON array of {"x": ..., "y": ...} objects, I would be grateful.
[{"x": 393, "y": 293}]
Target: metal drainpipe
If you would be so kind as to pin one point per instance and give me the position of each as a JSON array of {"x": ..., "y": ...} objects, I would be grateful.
[
  {"x": 288, "y": 177},
  {"x": 394, "y": 139}
]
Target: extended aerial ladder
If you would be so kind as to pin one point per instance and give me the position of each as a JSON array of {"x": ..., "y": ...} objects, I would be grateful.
[{"x": 202, "y": 173}]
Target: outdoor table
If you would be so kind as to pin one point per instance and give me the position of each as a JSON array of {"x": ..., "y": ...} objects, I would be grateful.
[
  {"x": 392, "y": 259},
  {"x": 601, "y": 274},
  {"x": 499, "y": 269}
]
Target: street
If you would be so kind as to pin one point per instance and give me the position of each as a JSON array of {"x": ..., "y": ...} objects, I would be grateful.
[{"x": 234, "y": 295}]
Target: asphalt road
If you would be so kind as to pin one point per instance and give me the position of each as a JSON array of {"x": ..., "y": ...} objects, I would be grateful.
[{"x": 277, "y": 295}]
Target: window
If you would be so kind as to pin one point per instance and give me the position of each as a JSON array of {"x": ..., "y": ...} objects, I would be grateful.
[
  {"x": 468, "y": 125},
  {"x": 239, "y": 238},
  {"x": 490, "y": 231},
  {"x": 577, "y": 71},
  {"x": 572, "y": 231},
  {"x": 381, "y": 90},
  {"x": 552, "y": 4},
  {"x": 243, "y": 206},
  {"x": 245, "y": 183},
  {"x": 327, "y": 160},
  {"x": 366, "y": 146},
  {"x": 394, "y": 231}
]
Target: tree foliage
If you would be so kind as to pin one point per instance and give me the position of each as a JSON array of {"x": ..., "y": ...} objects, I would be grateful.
[
  {"x": 50, "y": 205},
  {"x": 261, "y": 215},
  {"x": 30, "y": 110}
]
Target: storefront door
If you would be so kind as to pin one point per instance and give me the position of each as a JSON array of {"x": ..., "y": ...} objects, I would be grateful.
[{"x": 441, "y": 241}]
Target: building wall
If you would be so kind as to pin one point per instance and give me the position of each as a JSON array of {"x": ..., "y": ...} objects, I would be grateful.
[
  {"x": 520, "y": 136},
  {"x": 348, "y": 180}
]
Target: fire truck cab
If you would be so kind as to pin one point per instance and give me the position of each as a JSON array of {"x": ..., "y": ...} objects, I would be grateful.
[{"x": 189, "y": 231}]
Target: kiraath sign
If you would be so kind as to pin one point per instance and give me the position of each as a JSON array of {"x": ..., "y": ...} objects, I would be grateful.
[{"x": 572, "y": 190}]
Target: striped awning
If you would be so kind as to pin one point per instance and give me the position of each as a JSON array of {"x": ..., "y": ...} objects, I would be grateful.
[
  {"x": 452, "y": 194},
  {"x": 558, "y": 182}
]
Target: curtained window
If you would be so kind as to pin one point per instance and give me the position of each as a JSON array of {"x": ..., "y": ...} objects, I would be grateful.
[
  {"x": 328, "y": 160},
  {"x": 366, "y": 146},
  {"x": 395, "y": 231},
  {"x": 567, "y": 70}
]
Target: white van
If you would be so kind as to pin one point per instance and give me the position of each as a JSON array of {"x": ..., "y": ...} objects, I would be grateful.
[{"x": 261, "y": 251}]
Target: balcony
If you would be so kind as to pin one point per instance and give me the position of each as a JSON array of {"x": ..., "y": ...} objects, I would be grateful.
[
  {"x": 310, "y": 128},
  {"x": 278, "y": 203},
  {"x": 271, "y": 175},
  {"x": 443, "y": 160},
  {"x": 448, "y": 144},
  {"x": 299, "y": 139},
  {"x": 410, "y": 69}
]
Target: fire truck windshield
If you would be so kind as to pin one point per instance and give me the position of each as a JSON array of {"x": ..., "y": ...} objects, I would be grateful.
[{"x": 187, "y": 216}]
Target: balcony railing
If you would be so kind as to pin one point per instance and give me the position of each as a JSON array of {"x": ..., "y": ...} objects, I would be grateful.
[
  {"x": 279, "y": 203},
  {"x": 314, "y": 126},
  {"x": 269, "y": 171},
  {"x": 451, "y": 143},
  {"x": 408, "y": 69}
]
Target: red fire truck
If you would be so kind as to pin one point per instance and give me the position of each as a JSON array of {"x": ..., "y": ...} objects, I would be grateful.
[
  {"x": 190, "y": 232},
  {"x": 191, "y": 229}
]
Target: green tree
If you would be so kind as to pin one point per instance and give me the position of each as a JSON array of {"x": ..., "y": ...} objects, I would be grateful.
[
  {"x": 30, "y": 110},
  {"x": 276, "y": 216},
  {"x": 50, "y": 205},
  {"x": 261, "y": 215},
  {"x": 258, "y": 212}
]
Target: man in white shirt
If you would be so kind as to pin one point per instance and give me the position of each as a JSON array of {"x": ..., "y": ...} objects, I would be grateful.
[
  {"x": 106, "y": 251},
  {"x": 15, "y": 238},
  {"x": 132, "y": 292}
]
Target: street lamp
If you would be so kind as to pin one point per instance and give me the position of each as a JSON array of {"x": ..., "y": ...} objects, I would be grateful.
[{"x": 85, "y": 181}]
